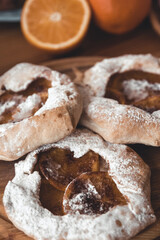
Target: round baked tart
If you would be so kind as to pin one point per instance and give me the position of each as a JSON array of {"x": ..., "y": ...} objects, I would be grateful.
[
  {"x": 37, "y": 106},
  {"x": 124, "y": 102},
  {"x": 110, "y": 199}
]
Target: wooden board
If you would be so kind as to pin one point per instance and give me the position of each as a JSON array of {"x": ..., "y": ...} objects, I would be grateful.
[{"x": 151, "y": 156}]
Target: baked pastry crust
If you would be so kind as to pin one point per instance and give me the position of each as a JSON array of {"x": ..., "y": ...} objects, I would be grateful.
[
  {"x": 56, "y": 118},
  {"x": 119, "y": 123},
  {"x": 113, "y": 121},
  {"x": 130, "y": 174}
]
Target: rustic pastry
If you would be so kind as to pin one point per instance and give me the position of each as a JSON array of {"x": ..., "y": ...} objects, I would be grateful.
[
  {"x": 119, "y": 193},
  {"x": 37, "y": 106},
  {"x": 134, "y": 82}
]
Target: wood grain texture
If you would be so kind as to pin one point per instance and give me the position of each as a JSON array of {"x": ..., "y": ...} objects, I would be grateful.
[
  {"x": 9, "y": 232},
  {"x": 151, "y": 156},
  {"x": 14, "y": 48}
]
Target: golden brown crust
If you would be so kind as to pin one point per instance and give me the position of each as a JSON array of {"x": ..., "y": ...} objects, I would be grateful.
[
  {"x": 128, "y": 172},
  {"x": 56, "y": 118},
  {"x": 119, "y": 123},
  {"x": 116, "y": 122},
  {"x": 26, "y": 136}
]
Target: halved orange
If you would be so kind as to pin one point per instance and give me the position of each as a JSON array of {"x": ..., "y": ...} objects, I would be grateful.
[{"x": 55, "y": 25}]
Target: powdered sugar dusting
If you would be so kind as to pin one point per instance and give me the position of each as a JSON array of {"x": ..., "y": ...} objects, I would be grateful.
[
  {"x": 25, "y": 109},
  {"x": 138, "y": 89},
  {"x": 61, "y": 93},
  {"x": 98, "y": 76},
  {"x": 6, "y": 105},
  {"x": 81, "y": 142},
  {"x": 21, "y": 75},
  {"x": 156, "y": 114},
  {"x": 4, "y": 127},
  {"x": 78, "y": 202},
  {"x": 120, "y": 123},
  {"x": 129, "y": 172},
  {"x": 62, "y": 90},
  {"x": 115, "y": 122},
  {"x": 111, "y": 110}
]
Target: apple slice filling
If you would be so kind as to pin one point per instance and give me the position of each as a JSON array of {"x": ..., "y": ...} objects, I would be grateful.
[
  {"x": 137, "y": 88},
  {"x": 16, "y": 106},
  {"x": 71, "y": 185},
  {"x": 60, "y": 167},
  {"x": 92, "y": 193},
  {"x": 51, "y": 198}
]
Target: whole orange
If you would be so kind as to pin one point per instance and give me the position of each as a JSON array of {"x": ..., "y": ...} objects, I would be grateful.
[{"x": 119, "y": 16}]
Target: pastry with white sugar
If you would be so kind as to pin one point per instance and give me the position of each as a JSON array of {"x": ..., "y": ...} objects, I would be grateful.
[
  {"x": 117, "y": 209},
  {"x": 122, "y": 99},
  {"x": 37, "y": 106}
]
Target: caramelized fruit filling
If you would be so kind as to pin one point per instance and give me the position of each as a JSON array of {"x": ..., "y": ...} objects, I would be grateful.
[
  {"x": 71, "y": 185},
  {"x": 92, "y": 193},
  {"x": 137, "y": 88},
  {"x": 17, "y": 106},
  {"x": 51, "y": 198},
  {"x": 60, "y": 167}
]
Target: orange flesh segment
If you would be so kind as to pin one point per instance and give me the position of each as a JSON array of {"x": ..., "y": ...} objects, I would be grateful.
[
  {"x": 55, "y": 25},
  {"x": 59, "y": 22},
  {"x": 60, "y": 167},
  {"x": 115, "y": 90},
  {"x": 92, "y": 193}
]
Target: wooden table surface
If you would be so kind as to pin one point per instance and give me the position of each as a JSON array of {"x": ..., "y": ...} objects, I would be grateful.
[{"x": 14, "y": 49}]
